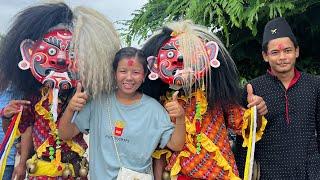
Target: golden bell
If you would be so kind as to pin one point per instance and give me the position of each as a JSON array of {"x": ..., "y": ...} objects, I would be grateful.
[
  {"x": 166, "y": 175},
  {"x": 84, "y": 161},
  {"x": 83, "y": 171},
  {"x": 66, "y": 173},
  {"x": 29, "y": 161},
  {"x": 31, "y": 167}
]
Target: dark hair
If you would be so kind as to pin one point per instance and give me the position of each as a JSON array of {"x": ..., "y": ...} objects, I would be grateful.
[
  {"x": 129, "y": 52},
  {"x": 153, "y": 45},
  {"x": 265, "y": 45},
  {"x": 156, "y": 88}
]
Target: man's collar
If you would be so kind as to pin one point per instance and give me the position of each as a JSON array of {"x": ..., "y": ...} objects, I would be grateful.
[{"x": 297, "y": 75}]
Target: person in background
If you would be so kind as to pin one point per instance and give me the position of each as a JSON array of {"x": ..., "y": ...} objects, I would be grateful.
[{"x": 7, "y": 110}]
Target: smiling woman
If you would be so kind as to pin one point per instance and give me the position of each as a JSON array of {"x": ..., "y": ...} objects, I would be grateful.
[
  {"x": 126, "y": 125},
  {"x": 129, "y": 74}
]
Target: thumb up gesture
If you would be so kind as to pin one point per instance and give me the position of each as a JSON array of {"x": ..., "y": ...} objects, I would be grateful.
[
  {"x": 78, "y": 100},
  {"x": 174, "y": 109},
  {"x": 254, "y": 100}
]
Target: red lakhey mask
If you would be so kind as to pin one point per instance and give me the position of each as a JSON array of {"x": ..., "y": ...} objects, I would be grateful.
[
  {"x": 170, "y": 65},
  {"x": 50, "y": 60}
]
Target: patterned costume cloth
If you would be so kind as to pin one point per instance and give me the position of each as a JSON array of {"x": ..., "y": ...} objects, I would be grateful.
[
  {"x": 289, "y": 147},
  {"x": 47, "y": 144},
  {"x": 216, "y": 159}
]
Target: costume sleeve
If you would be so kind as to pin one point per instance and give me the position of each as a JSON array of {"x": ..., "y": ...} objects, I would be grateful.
[
  {"x": 234, "y": 114},
  {"x": 166, "y": 127},
  {"x": 28, "y": 116},
  {"x": 82, "y": 119}
]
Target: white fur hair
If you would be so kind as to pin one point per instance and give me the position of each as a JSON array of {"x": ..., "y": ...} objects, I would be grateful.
[
  {"x": 192, "y": 40},
  {"x": 95, "y": 42}
]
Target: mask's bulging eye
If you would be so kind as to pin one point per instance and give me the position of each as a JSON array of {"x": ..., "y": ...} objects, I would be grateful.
[
  {"x": 170, "y": 54},
  {"x": 52, "y": 51}
]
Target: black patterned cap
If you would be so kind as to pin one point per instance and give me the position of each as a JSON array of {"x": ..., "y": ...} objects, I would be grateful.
[{"x": 277, "y": 28}]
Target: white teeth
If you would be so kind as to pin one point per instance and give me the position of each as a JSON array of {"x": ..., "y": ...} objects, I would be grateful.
[{"x": 128, "y": 85}]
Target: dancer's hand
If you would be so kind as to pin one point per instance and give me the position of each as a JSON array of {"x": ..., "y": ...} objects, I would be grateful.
[
  {"x": 78, "y": 100},
  {"x": 174, "y": 109},
  {"x": 14, "y": 107}
]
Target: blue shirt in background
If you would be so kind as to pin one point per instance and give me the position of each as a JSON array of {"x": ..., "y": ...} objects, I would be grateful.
[{"x": 4, "y": 100}]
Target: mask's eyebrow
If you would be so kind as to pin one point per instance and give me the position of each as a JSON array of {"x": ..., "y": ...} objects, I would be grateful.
[
  {"x": 168, "y": 47},
  {"x": 53, "y": 41}
]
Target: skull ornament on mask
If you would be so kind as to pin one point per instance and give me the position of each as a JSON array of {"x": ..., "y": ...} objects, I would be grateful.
[
  {"x": 170, "y": 65},
  {"x": 51, "y": 59}
]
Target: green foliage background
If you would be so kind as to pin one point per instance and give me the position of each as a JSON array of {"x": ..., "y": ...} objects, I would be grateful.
[{"x": 242, "y": 23}]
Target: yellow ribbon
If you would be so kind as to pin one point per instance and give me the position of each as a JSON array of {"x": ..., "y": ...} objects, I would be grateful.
[{"x": 246, "y": 117}]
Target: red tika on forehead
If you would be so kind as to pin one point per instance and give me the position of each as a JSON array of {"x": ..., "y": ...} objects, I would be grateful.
[
  {"x": 130, "y": 62},
  {"x": 280, "y": 46}
]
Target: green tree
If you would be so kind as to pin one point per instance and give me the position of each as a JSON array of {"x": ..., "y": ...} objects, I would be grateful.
[{"x": 242, "y": 23}]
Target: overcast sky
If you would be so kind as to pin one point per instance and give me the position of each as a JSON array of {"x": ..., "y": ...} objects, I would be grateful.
[{"x": 115, "y": 10}]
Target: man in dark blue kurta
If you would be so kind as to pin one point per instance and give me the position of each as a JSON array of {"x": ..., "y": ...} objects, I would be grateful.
[{"x": 289, "y": 148}]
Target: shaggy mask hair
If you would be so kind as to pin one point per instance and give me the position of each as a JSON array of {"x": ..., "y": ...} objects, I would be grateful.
[
  {"x": 222, "y": 85},
  {"x": 96, "y": 43}
]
